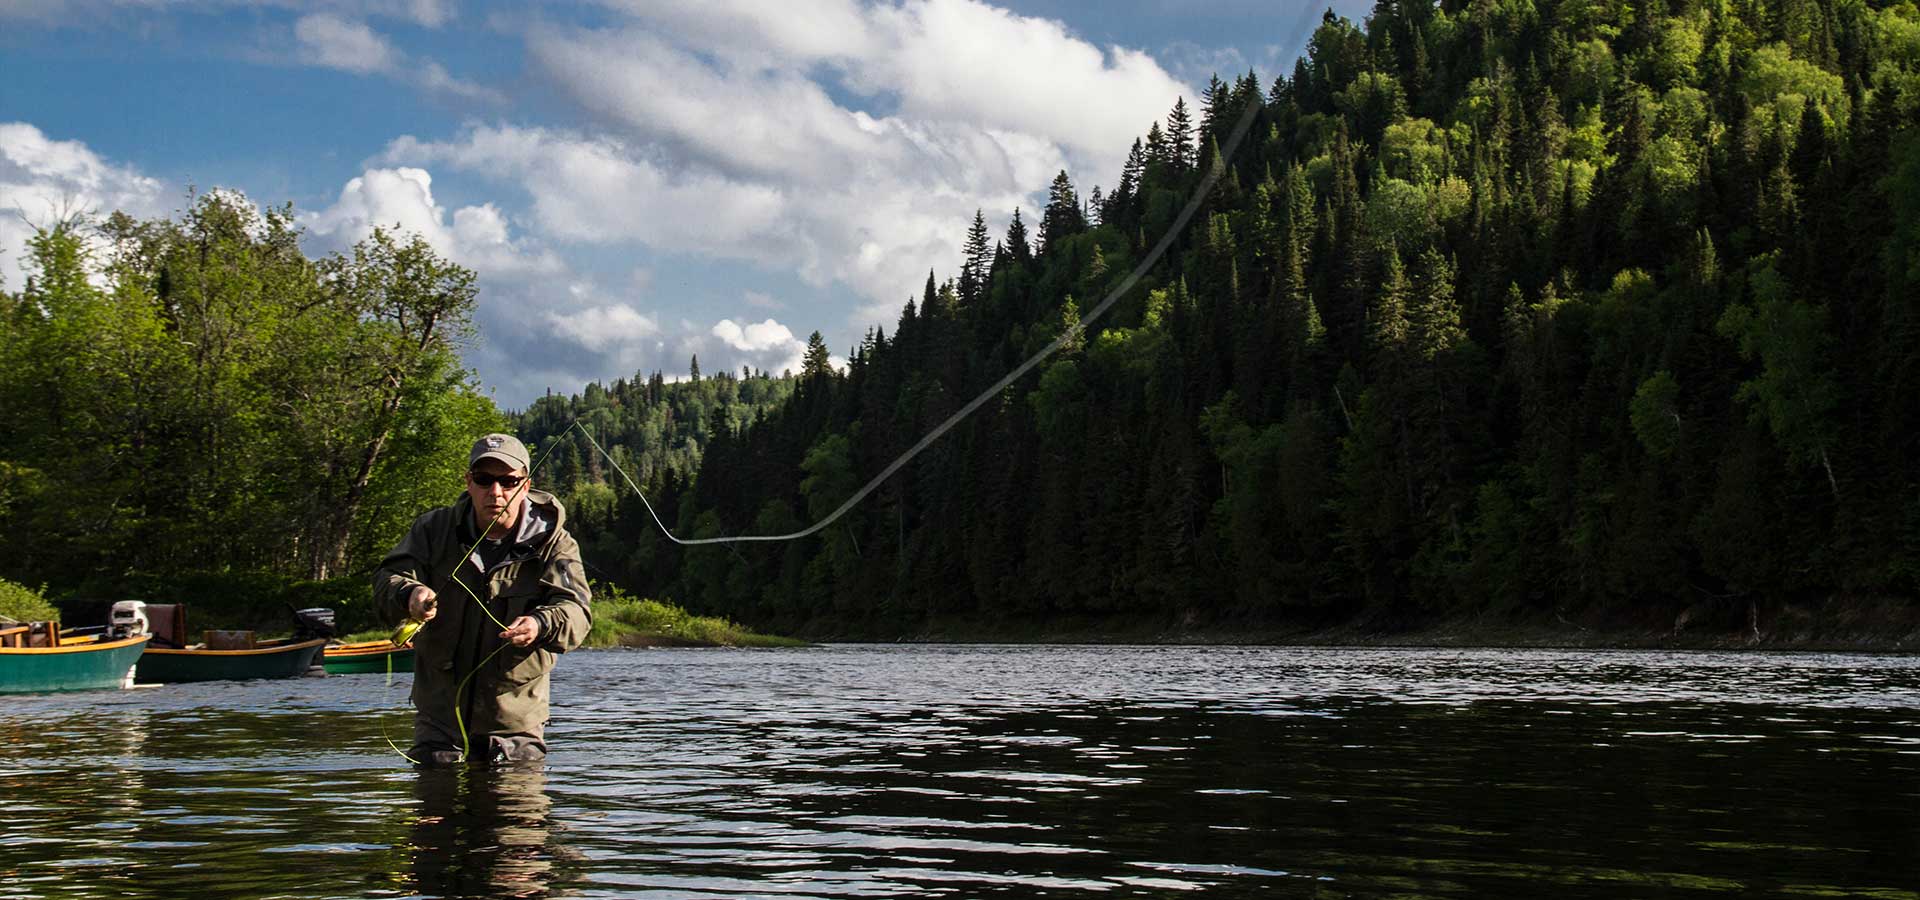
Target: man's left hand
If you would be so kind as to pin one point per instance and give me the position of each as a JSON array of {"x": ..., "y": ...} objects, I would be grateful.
[{"x": 523, "y": 631}]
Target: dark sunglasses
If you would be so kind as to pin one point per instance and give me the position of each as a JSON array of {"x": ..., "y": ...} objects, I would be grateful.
[{"x": 506, "y": 481}]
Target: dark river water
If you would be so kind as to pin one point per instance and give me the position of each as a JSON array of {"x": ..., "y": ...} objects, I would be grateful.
[{"x": 946, "y": 771}]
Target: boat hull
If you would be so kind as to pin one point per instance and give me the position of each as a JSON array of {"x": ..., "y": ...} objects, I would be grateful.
[
  {"x": 168, "y": 666},
  {"x": 103, "y": 665},
  {"x": 372, "y": 657}
]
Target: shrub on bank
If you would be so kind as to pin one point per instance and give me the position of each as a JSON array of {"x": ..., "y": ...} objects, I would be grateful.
[
  {"x": 24, "y": 604},
  {"x": 618, "y": 615}
]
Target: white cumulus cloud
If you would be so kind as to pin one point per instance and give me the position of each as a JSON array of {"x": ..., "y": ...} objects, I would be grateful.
[
  {"x": 602, "y": 327},
  {"x": 755, "y": 336},
  {"x": 43, "y": 180},
  {"x": 402, "y": 198},
  {"x": 848, "y": 143}
]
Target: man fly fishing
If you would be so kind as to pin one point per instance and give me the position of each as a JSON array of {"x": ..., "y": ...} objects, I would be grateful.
[{"x": 497, "y": 581}]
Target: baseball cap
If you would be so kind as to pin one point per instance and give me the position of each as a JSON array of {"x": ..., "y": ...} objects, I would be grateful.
[{"x": 503, "y": 447}]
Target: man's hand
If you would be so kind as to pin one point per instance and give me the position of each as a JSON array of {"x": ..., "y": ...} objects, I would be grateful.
[
  {"x": 523, "y": 631},
  {"x": 423, "y": 604}
]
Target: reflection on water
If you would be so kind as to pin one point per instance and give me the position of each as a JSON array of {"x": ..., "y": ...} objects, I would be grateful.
[
  {"x": 482, "y": 833},
  {"x": 1002, "y": 771}
]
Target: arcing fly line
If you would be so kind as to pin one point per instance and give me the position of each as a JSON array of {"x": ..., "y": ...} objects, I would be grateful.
[{"x": 1179, "y": 225}]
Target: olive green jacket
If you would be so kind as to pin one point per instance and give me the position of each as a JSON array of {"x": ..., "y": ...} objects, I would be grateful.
[{"x": 540, "y": 576}]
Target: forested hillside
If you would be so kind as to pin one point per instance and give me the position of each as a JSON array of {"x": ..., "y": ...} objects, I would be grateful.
[
  {"x": 1574, "y": 309},
  {"x": 652, "y": 429}
]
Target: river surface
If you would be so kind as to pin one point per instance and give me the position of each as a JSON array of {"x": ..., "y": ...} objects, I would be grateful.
[{"x": 950, "y": 771}]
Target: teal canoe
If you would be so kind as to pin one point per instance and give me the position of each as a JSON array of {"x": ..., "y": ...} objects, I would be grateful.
[
  {"x": 267, "y": 659},
  {"x": 368, "y": 657},
  {"x": 77, "y": 666}
]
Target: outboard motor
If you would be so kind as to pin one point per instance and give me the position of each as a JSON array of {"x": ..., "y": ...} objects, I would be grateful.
[
  {"x": 129, "y": 619},
  {"x": 315, "y": 622}
]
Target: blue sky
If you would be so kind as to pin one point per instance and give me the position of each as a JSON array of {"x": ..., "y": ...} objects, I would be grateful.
[{"x": 636, "y": 181}]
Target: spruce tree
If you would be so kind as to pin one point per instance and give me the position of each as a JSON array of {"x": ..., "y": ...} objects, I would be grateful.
[
  {"x": 1062, "y": 218},
  {"x": 977, "y": 262},
  {"x": 1180, "y": 153}
]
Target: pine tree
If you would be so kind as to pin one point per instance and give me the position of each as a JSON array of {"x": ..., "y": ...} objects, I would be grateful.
[
  {"x": 1215, "y": 101},
  {"x": 1387, "y": 321},
  {"x": 1121, "y": 203},
  {"x": 817, "y": 364},
  {"x": 1179, "y": 137},
  {"x": 977, "y": 263},
  {"x": 1016, "y": 242},
  {"x": 1062, "y": 218}
]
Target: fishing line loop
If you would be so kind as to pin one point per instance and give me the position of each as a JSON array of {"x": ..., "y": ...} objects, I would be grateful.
[{"x": 1200, "y": 193}]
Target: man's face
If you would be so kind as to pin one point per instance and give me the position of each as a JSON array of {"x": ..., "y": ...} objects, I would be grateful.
[{"x": 493, "y": 500}]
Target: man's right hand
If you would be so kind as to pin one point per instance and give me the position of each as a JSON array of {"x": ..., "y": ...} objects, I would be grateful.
[{"x": 423, "y": 604}]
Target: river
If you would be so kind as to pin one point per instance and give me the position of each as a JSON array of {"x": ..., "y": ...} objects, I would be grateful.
[{"x": 979, "y": 771}]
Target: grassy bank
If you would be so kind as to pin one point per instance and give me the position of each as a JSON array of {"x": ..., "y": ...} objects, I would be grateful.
[{"x": 622, "y": 621}]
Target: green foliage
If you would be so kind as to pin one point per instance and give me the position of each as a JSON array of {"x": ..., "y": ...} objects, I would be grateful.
[
  {"x": 1772, "y": 74},
  {"x": 1653, "y": 413},
  {"x": 1414, "y": 150},
  {"x": 1672, "y": 59},
  {"x": 197, "y": 395},
  {"x": 1795, "y": 392},
  {"x": 1399, "y": 214},
  {"x": 620, "y": 619},
  {"x": 1590, "y": 72},
  {"x": 19, "y": 603}
]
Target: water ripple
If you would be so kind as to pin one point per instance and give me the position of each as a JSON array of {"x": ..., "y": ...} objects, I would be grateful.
[{"x": 929, "y": 771}]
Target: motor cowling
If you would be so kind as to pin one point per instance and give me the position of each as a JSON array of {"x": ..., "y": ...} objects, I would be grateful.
[
  {"x": 315, "y": 622},
  {"x": 128, "y": 619}
]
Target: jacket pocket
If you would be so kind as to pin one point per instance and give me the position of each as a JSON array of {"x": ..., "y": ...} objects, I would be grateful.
[{"x": 522, "y": 665}]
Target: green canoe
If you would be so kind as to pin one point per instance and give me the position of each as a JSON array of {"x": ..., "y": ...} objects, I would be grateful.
[
  {"x": 267, "y": 659},
  {"x": 370, "y": 656},
  {"x": 77, "y": 666}
]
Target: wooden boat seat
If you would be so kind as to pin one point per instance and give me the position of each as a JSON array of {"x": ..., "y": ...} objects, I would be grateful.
[
  {"x": 168, "y": 622},
  {"x": 13, "y": 636},
  {"x": 43, "y": 634},
  {"x": 229, "y": 640}
]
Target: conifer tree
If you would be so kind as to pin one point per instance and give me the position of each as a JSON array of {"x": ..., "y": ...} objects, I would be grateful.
[
  {"x": 1016, "y": 243},
  {"x": 1062, "y": 218},
  {"x": 1179, "y": 137},
  {"x": 977, "y": 263}
]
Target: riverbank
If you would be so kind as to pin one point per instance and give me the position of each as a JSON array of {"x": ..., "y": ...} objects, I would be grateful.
[
  {"x": 622, "y": 621},
  {"x": 1876, "y": 625}
]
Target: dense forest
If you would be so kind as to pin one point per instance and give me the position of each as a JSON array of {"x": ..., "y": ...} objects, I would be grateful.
[
  {"x": 197, "y": 410},
  {"x": 1581, "y": 310}
]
